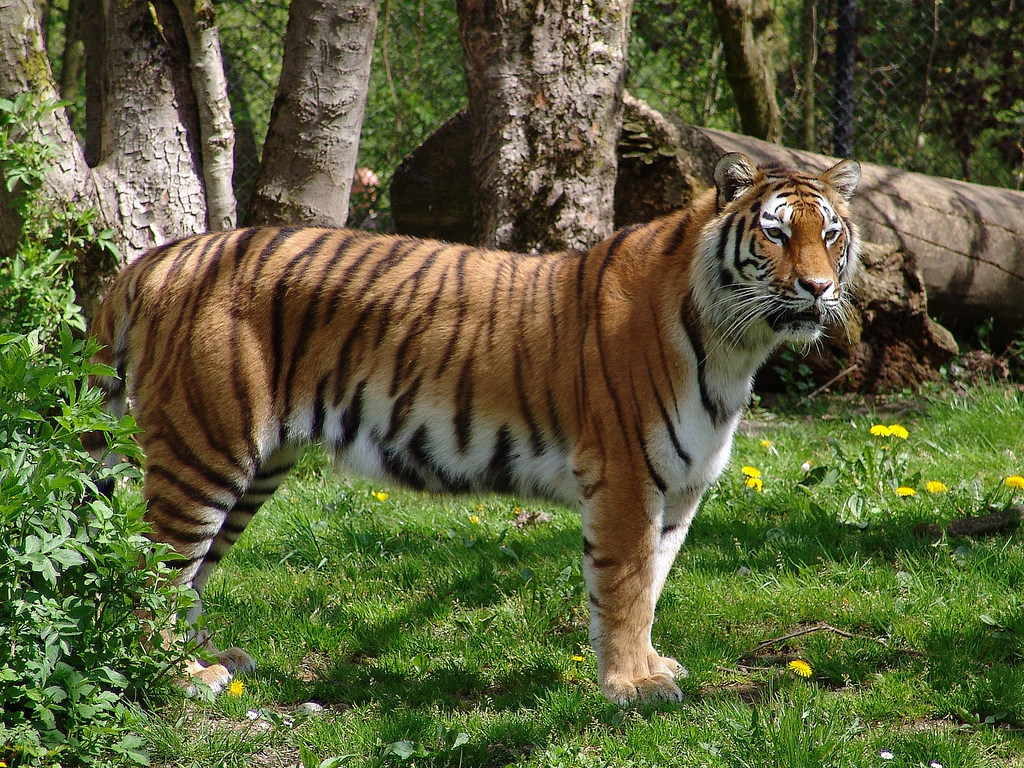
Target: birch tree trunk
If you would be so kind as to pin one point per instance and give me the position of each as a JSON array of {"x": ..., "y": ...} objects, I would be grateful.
[
  {"x": 743, "y": 25},
  {"x": 310, "y": 152},
  {"x": 217, "y": 134},
  {"x": 545, "y": 81}
]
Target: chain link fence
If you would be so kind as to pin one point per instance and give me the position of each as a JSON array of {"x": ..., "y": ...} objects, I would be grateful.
[{"x": 936, "y": 82}]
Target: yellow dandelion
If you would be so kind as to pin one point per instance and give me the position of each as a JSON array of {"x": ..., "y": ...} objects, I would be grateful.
[
  {"x": 898, "y": 430},
  {"x": 905, "y": 490},
  {"x": 751, "y": 471},
  {"x": 380, "y": 495},
  {"x": 880, "y": 430},
  {"x": 1015, "y": 481},
  {"x": 236, "y": 688},
  {"x": 577, "y": 658},
  {"x": 755, "y": 482},
  {"x": 800, "y": 667},
  {"x": 934, "y": 486},
  {"x": 475, "y": 519}
]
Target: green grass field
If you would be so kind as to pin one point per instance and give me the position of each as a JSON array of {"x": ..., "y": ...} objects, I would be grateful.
[{"x": 435, "y": 631}]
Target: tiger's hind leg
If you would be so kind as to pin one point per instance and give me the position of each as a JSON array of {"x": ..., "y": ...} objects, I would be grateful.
[{"x": 202, "y": 517}]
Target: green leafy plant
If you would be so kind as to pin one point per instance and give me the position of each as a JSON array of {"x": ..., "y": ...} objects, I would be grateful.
[
  {"x": 36, "y": 282},
  {"x": 84, "y": 596}
]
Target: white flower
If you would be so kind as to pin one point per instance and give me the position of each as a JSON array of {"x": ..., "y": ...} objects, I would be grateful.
[
  {"x": 885, "y": 754},
  {"x": 934, "y": 764}
]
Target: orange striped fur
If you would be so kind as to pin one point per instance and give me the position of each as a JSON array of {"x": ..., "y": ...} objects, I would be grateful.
[{"x": 611, "y": 380}]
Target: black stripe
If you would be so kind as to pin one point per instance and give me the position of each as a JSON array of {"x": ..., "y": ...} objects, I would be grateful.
[
  {"x": 280, "y": 315},
  {"x": 319, "y": 410},
  {"x": 403, "y": 364},
  {"x": 402, "y": 408},
  {"x": 612, "y": 248},
  {"x": 352, "y": 416},
  {"x": 460, "y": 312},
  {"x": 384, "y": 324},
  {"x": 667, "y": 419},
  {"x": 238, "y": 382},
  {"x": 597, "y": 562},
  {"x": 537, "y": 444},
  {"x": 463, "y": 419},
  {"x": 713, "y": 408},
  {"x": 309, "y": 323},
  {"x": 192, "y": 492},
  {"x": 397, "y": 467},
  {"x": 498, "y": 474},
  {"x": 678, "y": 234},
  {"x": 187, "y": 457},
  {"x": 723, "y": 239},
  {"x": 419, "y": 451},
  {"x": 641, "y": 439}
]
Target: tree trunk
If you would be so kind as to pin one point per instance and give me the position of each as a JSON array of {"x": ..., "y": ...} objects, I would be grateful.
[
  {"x": 545, "y": 83},
  {"x": 743, "y": 25},
  {"x": 143, "y": 140},
  {"x": 310, "y": 153},
  {"x": 216, "y": 131},
  {"x": 24, "y": 68}
]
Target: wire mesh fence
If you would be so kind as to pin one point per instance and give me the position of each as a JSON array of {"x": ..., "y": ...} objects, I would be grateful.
[{"x": 935, "y": 82}]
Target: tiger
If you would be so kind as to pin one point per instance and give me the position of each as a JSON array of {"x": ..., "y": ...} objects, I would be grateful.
[{"x": 611, "y": 380}]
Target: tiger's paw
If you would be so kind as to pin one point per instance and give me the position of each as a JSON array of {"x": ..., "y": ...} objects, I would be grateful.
[
  {"x": 659, "y": 664},
  {"x": 217, "y": 676},
  {"x": 236, "y": 660},
  {"x": 660, "y": 685}
]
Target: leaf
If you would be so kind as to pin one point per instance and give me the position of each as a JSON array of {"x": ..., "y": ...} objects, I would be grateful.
[{"x": 404, "y": 749}]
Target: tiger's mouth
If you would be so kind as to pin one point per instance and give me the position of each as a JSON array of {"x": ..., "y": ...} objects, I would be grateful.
[{"x": 793, "y": 320}]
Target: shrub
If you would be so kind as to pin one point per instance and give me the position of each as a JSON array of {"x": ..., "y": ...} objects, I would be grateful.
[{"x": 81, "y": 588}]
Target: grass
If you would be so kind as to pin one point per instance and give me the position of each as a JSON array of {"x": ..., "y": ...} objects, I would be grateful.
[{"x": 435, "y": 632}]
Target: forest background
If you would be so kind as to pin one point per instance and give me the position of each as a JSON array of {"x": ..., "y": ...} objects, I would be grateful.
[{"x": 935, "y": 85}]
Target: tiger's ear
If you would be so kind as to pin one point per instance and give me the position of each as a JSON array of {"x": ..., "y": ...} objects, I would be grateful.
[
  {"x": 734, "y": 175},
  {"x": 843, "y": 177}
]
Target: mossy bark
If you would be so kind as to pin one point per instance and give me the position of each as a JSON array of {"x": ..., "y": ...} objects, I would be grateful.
[{"x": 545, "y": 82}]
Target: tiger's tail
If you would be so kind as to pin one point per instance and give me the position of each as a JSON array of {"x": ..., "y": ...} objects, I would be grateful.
[{"x": 110, "y": 329}]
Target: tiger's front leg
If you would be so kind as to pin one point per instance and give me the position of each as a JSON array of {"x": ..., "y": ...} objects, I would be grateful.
[{"x": 624, "y": 575}]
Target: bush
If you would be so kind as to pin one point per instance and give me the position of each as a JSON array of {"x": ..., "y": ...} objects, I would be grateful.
[
  {"x": 81, "y": 588},
  {"x": 36, "y": 284}
]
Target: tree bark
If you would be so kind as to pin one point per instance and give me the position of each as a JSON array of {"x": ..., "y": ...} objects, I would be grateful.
[
  {"x": 310, "y": 152},
  {"x": 545, "y": 81},
  {"x": 143, "y": 170},
  {"x": 743, "y": 25},
  {"x": 216, "y": 131},
  {"x": 25, "y": 68}
]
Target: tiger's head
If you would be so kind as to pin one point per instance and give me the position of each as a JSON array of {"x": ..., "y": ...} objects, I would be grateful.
[{"x": 780, "y": 253}]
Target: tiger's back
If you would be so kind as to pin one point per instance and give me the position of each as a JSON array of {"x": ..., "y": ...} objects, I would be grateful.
[{"x": 610, "y": 379}]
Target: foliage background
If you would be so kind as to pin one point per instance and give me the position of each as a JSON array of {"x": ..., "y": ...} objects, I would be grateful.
[{"x": 937, "y": 86}]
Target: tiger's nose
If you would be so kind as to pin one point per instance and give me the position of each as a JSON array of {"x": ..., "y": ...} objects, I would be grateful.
[{"x": 815, "y": 286}]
